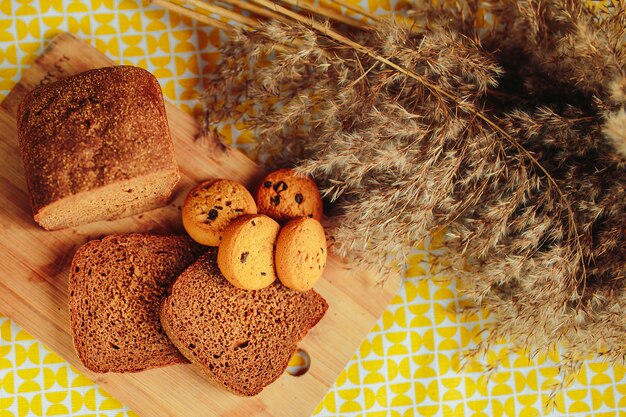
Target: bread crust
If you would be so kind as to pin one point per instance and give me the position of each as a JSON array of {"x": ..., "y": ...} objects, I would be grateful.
[{"x": 96, "y": 128}]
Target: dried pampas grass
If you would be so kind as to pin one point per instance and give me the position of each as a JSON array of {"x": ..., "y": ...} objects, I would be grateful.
[
  {"x": 511, "y": 140},
  {"x": 615, "y": 130}
]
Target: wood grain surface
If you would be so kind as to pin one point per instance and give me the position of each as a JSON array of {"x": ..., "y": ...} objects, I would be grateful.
[{"x": 34, "y": 270}]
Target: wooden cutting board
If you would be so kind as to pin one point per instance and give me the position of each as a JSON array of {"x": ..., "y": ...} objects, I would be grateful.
[{"x": 34, "y": 270}]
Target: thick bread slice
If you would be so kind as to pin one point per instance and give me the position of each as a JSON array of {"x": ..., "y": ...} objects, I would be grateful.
[
  {"x": 96, "y": 146},
  {"x": 115, "y": 288},
  {"x": 241, "y": 339}
]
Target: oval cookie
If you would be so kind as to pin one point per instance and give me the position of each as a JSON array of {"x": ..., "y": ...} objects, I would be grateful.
[
  {"x": 283, "y": 195},
  {"x": 300, "y": 253},
  {"x": 211, "y": 205},
  {"x": 246, "y": 253}
]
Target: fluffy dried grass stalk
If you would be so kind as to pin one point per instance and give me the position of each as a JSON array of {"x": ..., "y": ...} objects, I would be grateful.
[{"x": 533, "y": 205}]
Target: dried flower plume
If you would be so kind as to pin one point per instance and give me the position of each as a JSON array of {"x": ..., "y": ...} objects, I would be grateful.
[{"x": 511, "y": 140}]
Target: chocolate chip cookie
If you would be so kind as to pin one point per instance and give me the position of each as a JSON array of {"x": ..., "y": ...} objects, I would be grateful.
[
  {"x": 246, "y": 253},
  {"x": 210, "y": 207},
  {"x": 300, "y": 253},
  {"x": 283, "y": 195}
]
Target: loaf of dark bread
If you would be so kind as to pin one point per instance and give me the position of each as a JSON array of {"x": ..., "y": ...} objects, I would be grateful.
[
  {"x": 241, "y": 339},
  {"x": 116, "y": 286},
  {"x": 96, "y": 146}
]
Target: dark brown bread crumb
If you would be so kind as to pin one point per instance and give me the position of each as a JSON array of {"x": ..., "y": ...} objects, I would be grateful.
[
  {"x": 115, "y": 288},
  {"x": 241, "y": 339},
  {"x": 96, "y": 146}
]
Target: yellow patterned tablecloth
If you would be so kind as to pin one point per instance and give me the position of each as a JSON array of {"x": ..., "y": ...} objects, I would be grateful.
[{"x": 409, "y": 365}]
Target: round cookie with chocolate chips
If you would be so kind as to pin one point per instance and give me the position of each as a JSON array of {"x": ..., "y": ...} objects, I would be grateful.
[
  {"x": 283, "y": 195},
  {"x": 211, "y": 205},
  {"x": 300, "y": 253},
  {"x": 246, "y": 253}
]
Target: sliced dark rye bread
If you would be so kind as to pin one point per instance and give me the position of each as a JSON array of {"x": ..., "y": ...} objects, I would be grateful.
[
  {"x": 241, "y": 339},
  {"x": 115, "y": 289}
]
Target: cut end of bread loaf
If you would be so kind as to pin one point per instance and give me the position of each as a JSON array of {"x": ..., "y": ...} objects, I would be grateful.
[
  {"x": 240, "y": 339},
  {"x": 116, "y": 286},
  {"x": 124, "y": 198}
]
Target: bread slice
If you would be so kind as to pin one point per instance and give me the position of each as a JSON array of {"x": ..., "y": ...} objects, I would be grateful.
[
  {"x": 96, "y": 146},
  {"x": 241, "y": 339},
  {"x": 115, "y": 289}
]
